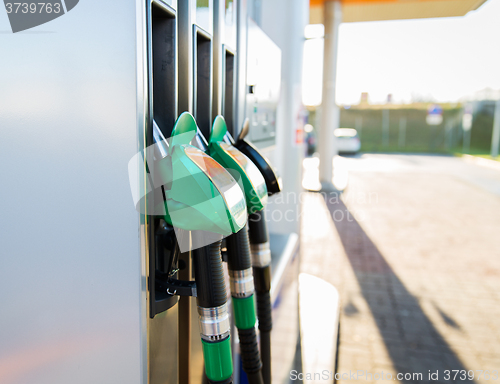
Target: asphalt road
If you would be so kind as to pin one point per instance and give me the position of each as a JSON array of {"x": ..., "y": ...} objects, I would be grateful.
[{"x": 412, "y": 246}]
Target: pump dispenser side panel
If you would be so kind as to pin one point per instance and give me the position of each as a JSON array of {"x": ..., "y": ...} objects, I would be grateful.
[{"x": 73, "y": 291}]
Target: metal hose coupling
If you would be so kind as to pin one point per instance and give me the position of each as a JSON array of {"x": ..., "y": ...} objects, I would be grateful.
[
  {"x": 214, "y": 323},
  {"x": 261, "y": 254},
  {"x": 241, "y": 283}
]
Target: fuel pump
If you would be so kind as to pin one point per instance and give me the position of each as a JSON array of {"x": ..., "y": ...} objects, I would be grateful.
[
  {"x": 201, "y": 196},
  {"x": 238, "y": 248}
]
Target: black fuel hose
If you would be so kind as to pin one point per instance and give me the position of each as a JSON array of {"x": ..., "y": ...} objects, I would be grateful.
[
  {"x": 239, "y": 264},
  {"x": 213, "y": 315},
  {"x": 261, "y": 260},
  {"x": 209, "y": 275}
]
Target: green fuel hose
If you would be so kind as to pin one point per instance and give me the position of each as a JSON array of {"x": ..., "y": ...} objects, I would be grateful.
[
  {"x": 242, "y": 292},
  {"x": 261, "y": 261},
  {"x": 238, "y": 250},
  {"x": 213, "y": 315}
]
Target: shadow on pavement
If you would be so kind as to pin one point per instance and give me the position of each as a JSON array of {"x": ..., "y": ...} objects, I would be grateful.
[
  {"x": 446, "y": 318},
  {"x": 412, "y": 341}
]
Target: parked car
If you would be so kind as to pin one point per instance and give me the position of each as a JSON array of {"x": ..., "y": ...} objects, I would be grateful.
[{"x": 347, "y": 140}]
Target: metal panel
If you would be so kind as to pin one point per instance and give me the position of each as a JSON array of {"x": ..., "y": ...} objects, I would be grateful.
[
  {"x": 202, "y": 80},
  {"x": 71, "y": 282},
  {"x": 163, "y": 348},
  {"x": 161, "y": 103}
]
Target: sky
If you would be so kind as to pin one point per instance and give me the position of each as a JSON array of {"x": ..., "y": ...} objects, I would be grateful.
[{"x": 441, "y": 59}]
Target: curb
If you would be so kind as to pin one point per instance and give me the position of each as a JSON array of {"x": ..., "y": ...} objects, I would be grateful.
[{"x": 482, "y": 162}]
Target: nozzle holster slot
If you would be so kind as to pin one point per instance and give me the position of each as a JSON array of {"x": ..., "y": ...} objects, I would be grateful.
[
  {"x": 163, "y": 268},
  {"x": 173, "y": 286}
]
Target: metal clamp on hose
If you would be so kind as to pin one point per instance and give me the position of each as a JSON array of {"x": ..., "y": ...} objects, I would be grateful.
[
  {"x": 261, "y": 254},
  {"x": 241, "y": 283},
  {"x": 214, "y": 323}
]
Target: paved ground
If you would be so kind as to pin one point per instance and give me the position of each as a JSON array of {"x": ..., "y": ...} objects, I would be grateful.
[{"x": 413, "y": 247}]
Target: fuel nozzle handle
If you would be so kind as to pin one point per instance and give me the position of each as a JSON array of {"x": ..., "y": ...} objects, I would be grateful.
[
  {"x": 213, "y": 313},
  {"x": 271, "y": 177},
  {"x": 242, "y": 291}
]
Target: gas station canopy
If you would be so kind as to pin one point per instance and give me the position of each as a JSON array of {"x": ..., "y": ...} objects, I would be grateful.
[{"x": 373, "y": 10}]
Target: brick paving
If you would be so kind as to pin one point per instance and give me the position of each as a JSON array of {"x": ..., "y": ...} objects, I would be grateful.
[{"x": 415, "y": 256}]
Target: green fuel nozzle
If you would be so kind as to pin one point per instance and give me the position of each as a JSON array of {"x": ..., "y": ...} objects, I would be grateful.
[
  {"x": 239, "y": 165},
  {"x": 199, "y": 193}
]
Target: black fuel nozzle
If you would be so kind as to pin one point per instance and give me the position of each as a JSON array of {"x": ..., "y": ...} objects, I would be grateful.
[
  {"x": 273, "y": 180},
  {"x": 260, "y": 249}
]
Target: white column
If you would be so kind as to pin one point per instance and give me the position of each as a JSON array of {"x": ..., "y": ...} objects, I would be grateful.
[
  {"x": 288, "y": 33},
  {"x": 330, "y": 111},
  {"x": 496, "y": 131}
]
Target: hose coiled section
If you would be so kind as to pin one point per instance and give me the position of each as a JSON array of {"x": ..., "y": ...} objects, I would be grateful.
[
  {"x": 258, "y": 227},
  {"x": 264, "y": 312},
  {"x": 210, "y": 282},
  {"x": 250, "y": 354},
  {"x": 238, "y": 251}
]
